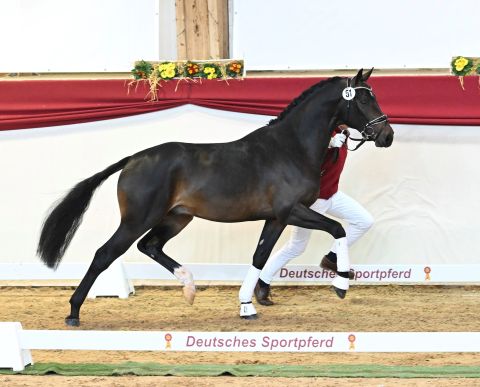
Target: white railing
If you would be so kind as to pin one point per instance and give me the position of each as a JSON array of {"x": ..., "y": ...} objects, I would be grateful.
[
  {"x": 235, "y": 273},
  {"x": 117, "y": 280},
  {"x": 17, "y": 343}
]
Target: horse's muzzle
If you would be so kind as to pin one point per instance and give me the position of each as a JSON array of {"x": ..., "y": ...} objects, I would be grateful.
[{"x": 385, "y": 138}]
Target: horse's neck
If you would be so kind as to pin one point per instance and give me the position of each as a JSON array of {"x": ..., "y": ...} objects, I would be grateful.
[{"x": 315, "y": 123}]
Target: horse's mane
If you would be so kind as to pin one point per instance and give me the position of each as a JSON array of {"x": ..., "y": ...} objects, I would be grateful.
[{"x": 301, "y": 98}]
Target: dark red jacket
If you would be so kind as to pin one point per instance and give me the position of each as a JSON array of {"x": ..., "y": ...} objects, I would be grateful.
[{"x": 331, "y": 171}]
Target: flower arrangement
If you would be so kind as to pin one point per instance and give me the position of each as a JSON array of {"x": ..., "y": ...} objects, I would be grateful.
[
  {"x": 156, "y": 72},
  {"x": 234, "y": 69},
  {"x": 142, "y": 70},
  {"x": 191, "y": 69},
  {"x": 167, "y": 70},
  {"x": 462, "y": 66},
  {"x": 211, "y": 71}
]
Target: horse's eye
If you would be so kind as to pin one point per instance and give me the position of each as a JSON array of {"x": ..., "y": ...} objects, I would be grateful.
[{"x": 363, "y": 98}]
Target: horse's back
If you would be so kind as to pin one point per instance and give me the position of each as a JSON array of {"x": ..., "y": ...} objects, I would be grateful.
[
  {"x": 228, "y": 182},
  {"x": 204, "y": 180}
]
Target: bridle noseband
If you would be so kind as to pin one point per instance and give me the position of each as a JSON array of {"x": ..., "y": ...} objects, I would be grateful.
[{"x": 367, "y": 132}]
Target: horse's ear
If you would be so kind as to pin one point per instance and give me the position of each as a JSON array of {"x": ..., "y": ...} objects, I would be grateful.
[
  {"x": 367, "y": 75},
  {"x": 358, "y": 78}
]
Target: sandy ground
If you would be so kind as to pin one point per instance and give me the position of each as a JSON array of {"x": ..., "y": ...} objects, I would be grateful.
[
  {"x": 149, "y": 381},
  {"x": 378, "y": 308}
]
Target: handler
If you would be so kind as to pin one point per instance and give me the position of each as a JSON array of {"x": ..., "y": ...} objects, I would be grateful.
[{"x": 330, "y": 201}]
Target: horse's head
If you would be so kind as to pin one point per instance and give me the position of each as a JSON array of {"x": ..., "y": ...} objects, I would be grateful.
[{"x": 361, "y": 111}]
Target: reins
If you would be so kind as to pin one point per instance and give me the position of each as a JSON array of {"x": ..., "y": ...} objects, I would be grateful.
[{"x": 368, "y": 136}]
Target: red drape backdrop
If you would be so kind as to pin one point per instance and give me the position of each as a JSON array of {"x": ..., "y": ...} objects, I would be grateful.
[{"x": 405, "y": 99}]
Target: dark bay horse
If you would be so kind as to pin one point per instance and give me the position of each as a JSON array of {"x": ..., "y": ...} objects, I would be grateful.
[{"x": 271, "y": 174}]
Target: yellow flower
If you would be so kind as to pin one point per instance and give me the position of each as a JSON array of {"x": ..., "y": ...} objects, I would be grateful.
[
  {"x": 460, "y": 63},
  {"x": 167, "y": 66},
  {"x": 168, "y": 73},
  {"x": 167, "y": 70},
  {"x": 211, "y": 72}
]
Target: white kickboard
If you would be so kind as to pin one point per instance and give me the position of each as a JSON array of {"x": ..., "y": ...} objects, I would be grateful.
[
  {"x": 11, "y": 353},
  {"x": 113, "y": 282}
]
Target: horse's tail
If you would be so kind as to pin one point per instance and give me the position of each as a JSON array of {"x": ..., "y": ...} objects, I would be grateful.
[{"x": 64, "y": 218}]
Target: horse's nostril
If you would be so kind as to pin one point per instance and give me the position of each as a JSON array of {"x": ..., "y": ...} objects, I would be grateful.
[{"x": 389, "y": 139}]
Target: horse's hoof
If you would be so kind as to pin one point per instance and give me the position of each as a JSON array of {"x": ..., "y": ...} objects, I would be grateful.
[
  {"x": 251, "y": 317},
  {"x": 72, "y": 322},
  {"x": 189, "y": 293},
  {"x": 339, "y": 292}
]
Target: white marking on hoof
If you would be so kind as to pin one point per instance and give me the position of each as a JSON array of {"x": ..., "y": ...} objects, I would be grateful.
[
  {"x": 247, "y": 310},
  {"x": 189, "y": 293},
  {"x": 186, "y": 279}
]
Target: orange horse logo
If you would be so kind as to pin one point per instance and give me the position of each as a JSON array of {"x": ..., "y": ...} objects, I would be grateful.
[
  {"x": 351, "y": 339},
  {"x": 427, "y": 271},
  {"x": 168, "y": 339}
]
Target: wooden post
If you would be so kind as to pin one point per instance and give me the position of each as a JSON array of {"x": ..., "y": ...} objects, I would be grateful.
[{"x": 202, "y": 29}]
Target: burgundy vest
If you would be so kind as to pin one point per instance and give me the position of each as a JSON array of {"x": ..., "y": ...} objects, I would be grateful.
[{"x": 331, "y": 171}]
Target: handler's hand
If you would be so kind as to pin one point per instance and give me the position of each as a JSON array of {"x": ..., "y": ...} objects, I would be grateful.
[{"x": 338, "y": 140}]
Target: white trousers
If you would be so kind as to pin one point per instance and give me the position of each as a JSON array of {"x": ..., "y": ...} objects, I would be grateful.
[{"x": 340, "y": 206}]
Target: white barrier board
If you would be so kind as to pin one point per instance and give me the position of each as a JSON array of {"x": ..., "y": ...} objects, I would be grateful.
[
  {"x": 17, "y": 343},
  {"x": 252, "y": 341},
  {"x": 235, "y": 273}
]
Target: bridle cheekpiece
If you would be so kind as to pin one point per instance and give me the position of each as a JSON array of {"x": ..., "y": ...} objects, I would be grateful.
[{"x": 367, "y": 132}]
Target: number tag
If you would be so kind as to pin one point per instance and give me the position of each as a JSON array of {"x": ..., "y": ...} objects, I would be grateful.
[{"x": 348, "y": 93}]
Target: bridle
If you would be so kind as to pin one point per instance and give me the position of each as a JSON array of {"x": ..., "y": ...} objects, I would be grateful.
[{"x": 367, "y": 132}]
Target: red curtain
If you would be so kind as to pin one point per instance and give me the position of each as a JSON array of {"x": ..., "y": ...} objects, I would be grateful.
[{"x": 405, "y": 99}]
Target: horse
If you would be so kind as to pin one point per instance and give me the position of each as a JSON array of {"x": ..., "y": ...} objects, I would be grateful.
[{"x": 271, "y": 174}]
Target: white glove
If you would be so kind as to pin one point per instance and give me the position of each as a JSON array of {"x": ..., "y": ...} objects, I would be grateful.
[{"x": 337, "y": 141}]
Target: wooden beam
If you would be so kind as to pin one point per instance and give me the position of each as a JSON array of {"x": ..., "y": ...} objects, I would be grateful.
[
  {"x": 223, "y": 26},
  {"x": 181, "y": 33},
  {"x": 202, "y": 29},
  {"x": 196, "y": 27}
]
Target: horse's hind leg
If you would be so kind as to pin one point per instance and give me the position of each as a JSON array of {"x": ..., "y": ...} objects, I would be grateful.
[
  {"x": 120, "y": 241},
  {"x": 270, "y": 234},
  {"x": 152, "y": 245}
]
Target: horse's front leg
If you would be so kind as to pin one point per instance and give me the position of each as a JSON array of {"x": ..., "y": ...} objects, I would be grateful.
[
  {"x": 305, "y": 217},
  {"x": 270, "y": 234}
]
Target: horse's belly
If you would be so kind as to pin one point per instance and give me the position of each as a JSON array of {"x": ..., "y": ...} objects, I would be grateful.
[
  {"x": 226, "y": 209},
  {"x": 234, "y": 216}
]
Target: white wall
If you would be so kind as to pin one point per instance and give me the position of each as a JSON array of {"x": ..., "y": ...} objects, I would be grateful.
[
  {"x": 307, "y": 34},
  {"x": 85, "y": 35},
  {"x": 109, "y": 35},
  {"x": 422, "y": 191}
]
